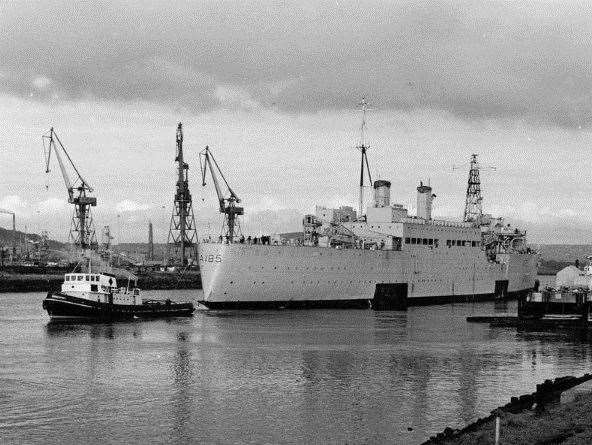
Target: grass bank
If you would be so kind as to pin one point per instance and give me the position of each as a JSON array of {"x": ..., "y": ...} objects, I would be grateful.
[{"x": 534, "y": 419}]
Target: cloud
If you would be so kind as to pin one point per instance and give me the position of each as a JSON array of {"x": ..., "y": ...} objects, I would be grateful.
[
  {"x": 41, "y": 82},
  {"x": 16, "y": 204},
  {"x": 128, "y": 205},
  {"x": 53, "y": 205},
  {"x": 233, "y": 97},
  {"x": 474, "y": 59}
]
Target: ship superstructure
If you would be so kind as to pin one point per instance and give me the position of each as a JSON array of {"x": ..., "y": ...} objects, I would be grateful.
[{"x": 384, "y": 259}]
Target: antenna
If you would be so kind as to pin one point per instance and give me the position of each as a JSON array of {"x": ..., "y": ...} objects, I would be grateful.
[
  {"x": 473, "y": 203},
  {"x": 473, "y": 200},
  {"x": 364, "y": 161}
]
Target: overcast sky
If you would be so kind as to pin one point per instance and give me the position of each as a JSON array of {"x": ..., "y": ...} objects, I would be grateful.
[{"x": 272, "y": 87}]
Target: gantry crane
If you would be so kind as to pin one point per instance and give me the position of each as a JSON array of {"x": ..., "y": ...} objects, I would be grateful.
[
  {"x": 82, "y": 231},
  {"x": 182, "y": 239},
  {"x": 228, "y": 207}
]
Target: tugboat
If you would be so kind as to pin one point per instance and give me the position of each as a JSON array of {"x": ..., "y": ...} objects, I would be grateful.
[{"x": 96, "y": 297}]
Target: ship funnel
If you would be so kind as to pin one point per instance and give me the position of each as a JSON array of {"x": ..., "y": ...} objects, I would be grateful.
[
  {"x": 424, "y": 201},
  {"x": 382, "y": 193}
]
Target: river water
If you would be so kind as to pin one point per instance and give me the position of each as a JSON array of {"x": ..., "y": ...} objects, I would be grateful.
[{"x": 308, "y": 376}]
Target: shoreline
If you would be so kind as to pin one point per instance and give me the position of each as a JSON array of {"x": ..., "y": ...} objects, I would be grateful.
[
  {"x": 10, "y": 283},
  {"x": 541, "y": 416}
]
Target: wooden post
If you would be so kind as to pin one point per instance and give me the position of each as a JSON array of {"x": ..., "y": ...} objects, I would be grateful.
[{"x": 497, "y": 430}]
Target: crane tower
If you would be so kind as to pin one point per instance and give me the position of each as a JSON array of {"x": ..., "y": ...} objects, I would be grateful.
[
  {"x": 182, "y": 239},
  {"x": 82, "y": 230},
  {"x": 473, "y": 207}
]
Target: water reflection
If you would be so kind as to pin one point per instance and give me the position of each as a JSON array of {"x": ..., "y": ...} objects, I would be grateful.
[
  {"x": 182, "y": 396},
  {"x": 271, "y": 376},
  {"x": 94, "y": 330},
  {"x": 500, "y": 306}
]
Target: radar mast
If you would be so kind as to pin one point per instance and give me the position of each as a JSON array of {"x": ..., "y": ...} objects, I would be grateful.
[{"x": 364, "y": 160}]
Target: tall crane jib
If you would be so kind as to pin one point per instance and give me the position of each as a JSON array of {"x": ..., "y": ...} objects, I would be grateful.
[
  {"x": 82, "y": 231},
  {"x": 228, "y": 206}
]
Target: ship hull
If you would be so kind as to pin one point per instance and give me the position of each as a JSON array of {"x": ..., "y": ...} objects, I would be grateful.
[
  {"x": 61, "y": 306},
  {"x": 261, "y": 276}
]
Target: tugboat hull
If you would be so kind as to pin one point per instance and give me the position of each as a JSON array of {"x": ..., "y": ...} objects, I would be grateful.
[
  {"x": 60, "y": 306},
  {"x": 67, "y": 307}
]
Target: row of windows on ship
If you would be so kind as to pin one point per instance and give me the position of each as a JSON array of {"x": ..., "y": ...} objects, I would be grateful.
[
  {"x": 436, "y": 242},
  {"x": 82, "y": 277}
]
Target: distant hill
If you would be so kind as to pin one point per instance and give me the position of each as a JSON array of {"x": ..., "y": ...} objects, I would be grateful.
[
  {"x": 6, "y": 239},
  {"x": 139, "y": 248},
  {"x": 564, "y": 252}
]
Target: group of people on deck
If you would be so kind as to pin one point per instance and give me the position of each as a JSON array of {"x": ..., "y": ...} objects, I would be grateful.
[{"x": 248, "y": 240}]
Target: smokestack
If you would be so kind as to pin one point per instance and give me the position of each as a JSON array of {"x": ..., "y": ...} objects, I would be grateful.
[
  {"x": 424, "y": 201},
  {"x": 382, "y": 193},
  {"x": 150, "y": 241}
]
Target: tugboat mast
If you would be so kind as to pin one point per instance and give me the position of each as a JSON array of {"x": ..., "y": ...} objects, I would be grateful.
[{"x": 364, "y": 160}]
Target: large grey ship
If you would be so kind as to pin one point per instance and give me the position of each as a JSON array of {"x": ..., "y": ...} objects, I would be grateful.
[{"x": 381, "y": 257}]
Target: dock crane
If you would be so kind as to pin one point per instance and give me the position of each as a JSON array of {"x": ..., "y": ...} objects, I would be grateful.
[
  {"x": 228, "y": 207},
  {"x": 82, "y": 231}
]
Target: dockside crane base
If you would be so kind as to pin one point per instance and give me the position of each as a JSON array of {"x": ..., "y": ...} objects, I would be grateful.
[
  {"x": 82, "y": 231},
  {"x": 228, "y": 206}
]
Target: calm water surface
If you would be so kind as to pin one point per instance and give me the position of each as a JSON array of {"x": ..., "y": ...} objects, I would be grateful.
[{"x": 312, "y": 376}]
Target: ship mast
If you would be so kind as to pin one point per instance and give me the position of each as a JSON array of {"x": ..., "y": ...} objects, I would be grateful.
[{"x": 364, "y": 160}]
